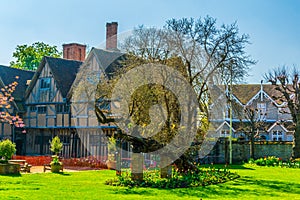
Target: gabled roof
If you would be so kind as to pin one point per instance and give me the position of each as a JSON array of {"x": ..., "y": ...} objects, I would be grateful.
[
  {"x": 287, "y": 126},
  {"x": 108, "y": 60},
  {"x": 64, "y": 72},
  {"x": 244, "y": 93},
  {"x": 8, "y": 75}
]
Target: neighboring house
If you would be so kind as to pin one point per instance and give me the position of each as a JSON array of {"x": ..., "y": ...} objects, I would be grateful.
[
  {"x": 8, "y": 76},
  {"x": 275, "y": 122}
]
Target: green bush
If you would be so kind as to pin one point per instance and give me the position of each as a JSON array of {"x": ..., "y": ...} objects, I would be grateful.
[
  {"x": 7, "y": 150},
  {"x": 190, "y": 178},
  {"x": 56, "y": 145},
  {"x": 274, "y": 161}
]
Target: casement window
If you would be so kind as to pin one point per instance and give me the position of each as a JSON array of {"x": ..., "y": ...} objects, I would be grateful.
[
  {"x": 262, "y": 110},
  {"x": 45, "y": 83},
  {"x": 224, "y": 133},
  {"x": 44, "y": 89},
  {"x": 62, "y": 108},
  {"x": 277, "y": 135},
  {"x": 32, "y": 108},
  {"x": 42, "y": 109}
]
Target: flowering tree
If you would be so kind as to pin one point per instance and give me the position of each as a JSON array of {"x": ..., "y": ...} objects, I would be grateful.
[{"x": 6, "y": 102}]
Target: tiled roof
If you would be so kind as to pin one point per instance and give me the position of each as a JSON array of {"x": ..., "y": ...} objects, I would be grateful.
[
  {"x": 247, "y": 91},
  {"x": 109, "y": 60},
  {"x": 8, "y": 75},
  {"x": 64, "y": 72}
]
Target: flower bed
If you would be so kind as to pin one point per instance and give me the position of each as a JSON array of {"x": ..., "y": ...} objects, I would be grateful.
[
  {"x": 151, "y": 178},
  {"x": 91, "y": 162},
  {"x": 34, "y": 160}
]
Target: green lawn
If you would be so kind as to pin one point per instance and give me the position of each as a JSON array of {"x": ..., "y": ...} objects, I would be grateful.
[{"x": 255, "y": 183}]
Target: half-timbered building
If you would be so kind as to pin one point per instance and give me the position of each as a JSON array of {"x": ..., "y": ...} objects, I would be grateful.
[
  {"x": 60, "y": 100},
  {"x": 9, "y": 75}
]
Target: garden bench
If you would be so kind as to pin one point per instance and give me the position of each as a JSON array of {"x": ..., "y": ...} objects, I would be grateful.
[{"x": 24, "y": 166}]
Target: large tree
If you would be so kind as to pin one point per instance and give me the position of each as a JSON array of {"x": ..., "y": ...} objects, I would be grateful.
[
  {"x": 206, "y": 55},
  {"x": 287, "y": 83},
  {"x": 28, "y": 57}
]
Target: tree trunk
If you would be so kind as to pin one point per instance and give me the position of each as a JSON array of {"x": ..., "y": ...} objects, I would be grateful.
[
  {"x": 296, "y": 140},
  {"x": 137, "y": 164},
  {"x": 166, "y": 169},
  {"x": 252, "y": 145}
]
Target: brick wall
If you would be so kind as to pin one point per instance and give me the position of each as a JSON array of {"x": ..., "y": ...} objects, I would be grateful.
[
  {"x": 111, "y": 35},
  {"x": 74, "y": 51}
]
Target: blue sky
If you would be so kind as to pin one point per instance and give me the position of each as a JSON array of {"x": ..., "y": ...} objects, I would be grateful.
[{"x": 273, "y": 25}]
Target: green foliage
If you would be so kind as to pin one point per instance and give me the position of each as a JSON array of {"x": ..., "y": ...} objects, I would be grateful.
[
  {"x": 112, "y": 148},
  {"x": 274, "y": 161},
  {"x": 56, "y": 145},
  {"x": 55, "y": 160},
  {"x": 202, "y": 177},
  {"x": 255, "y": 183},
  {"x": 29, "y": 57},
  {"x": 7, "y": 149}
]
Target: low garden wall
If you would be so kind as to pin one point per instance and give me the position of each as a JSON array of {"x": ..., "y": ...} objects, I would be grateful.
[
  {"x": 9, "y": 168},
  {"x": 241, "y": 151}
]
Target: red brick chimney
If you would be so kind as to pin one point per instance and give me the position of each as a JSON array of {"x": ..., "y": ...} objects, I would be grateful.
[
  {"x": 111, "y": 35},
  {"x": 74, "y": 51}
]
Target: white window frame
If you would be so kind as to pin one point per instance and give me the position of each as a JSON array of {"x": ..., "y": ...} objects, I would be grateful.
[
  {"x": 262, "y": 110},
  {"x": 276, "y": 134}
]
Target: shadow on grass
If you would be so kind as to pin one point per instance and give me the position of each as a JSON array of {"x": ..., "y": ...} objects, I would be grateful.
[
  {"x": 135, "y": 190},
  {"x": 62, "y": 173},
  {"x": 11, "y": 175},
  {"x": 240, "y": 187},
  {"x": 231, "y": 189},
  {"x": 220, "y": 166}
]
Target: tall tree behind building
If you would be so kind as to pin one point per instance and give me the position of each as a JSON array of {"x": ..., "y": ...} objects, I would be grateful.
[
  {"x": 28, "y": 57},
  {"x": 288, "y": 84}
]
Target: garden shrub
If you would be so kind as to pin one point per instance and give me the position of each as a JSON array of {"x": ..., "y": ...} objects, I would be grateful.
[
  {"x": 274, "y": 161},
  {"x": 7, "y": 150},
  {"x": 202, "y": 177}
]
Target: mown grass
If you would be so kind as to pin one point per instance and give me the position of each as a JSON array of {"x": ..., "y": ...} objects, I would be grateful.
[{"x": 255, "y": 183}]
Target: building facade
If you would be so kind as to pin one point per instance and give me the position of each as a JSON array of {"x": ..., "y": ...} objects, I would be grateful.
[{"x": 271, "y": 117}]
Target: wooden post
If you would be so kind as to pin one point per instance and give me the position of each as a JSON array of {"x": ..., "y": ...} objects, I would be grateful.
[
  {"x": 137, "y": 164},
  {"x": 118, "y": 157},
  {"x": 166, "y": 169}
]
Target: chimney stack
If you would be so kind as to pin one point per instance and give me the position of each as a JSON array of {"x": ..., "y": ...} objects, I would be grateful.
[
  {"x": 74, "y": 51},
  {"x": 111, "y": 35}
]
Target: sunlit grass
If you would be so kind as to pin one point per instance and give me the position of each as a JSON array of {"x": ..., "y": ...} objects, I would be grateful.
[{"x": 255, "y": 183}]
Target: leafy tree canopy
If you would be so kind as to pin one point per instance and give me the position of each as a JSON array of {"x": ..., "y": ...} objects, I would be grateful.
[{"x": 29, "y": 57}]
